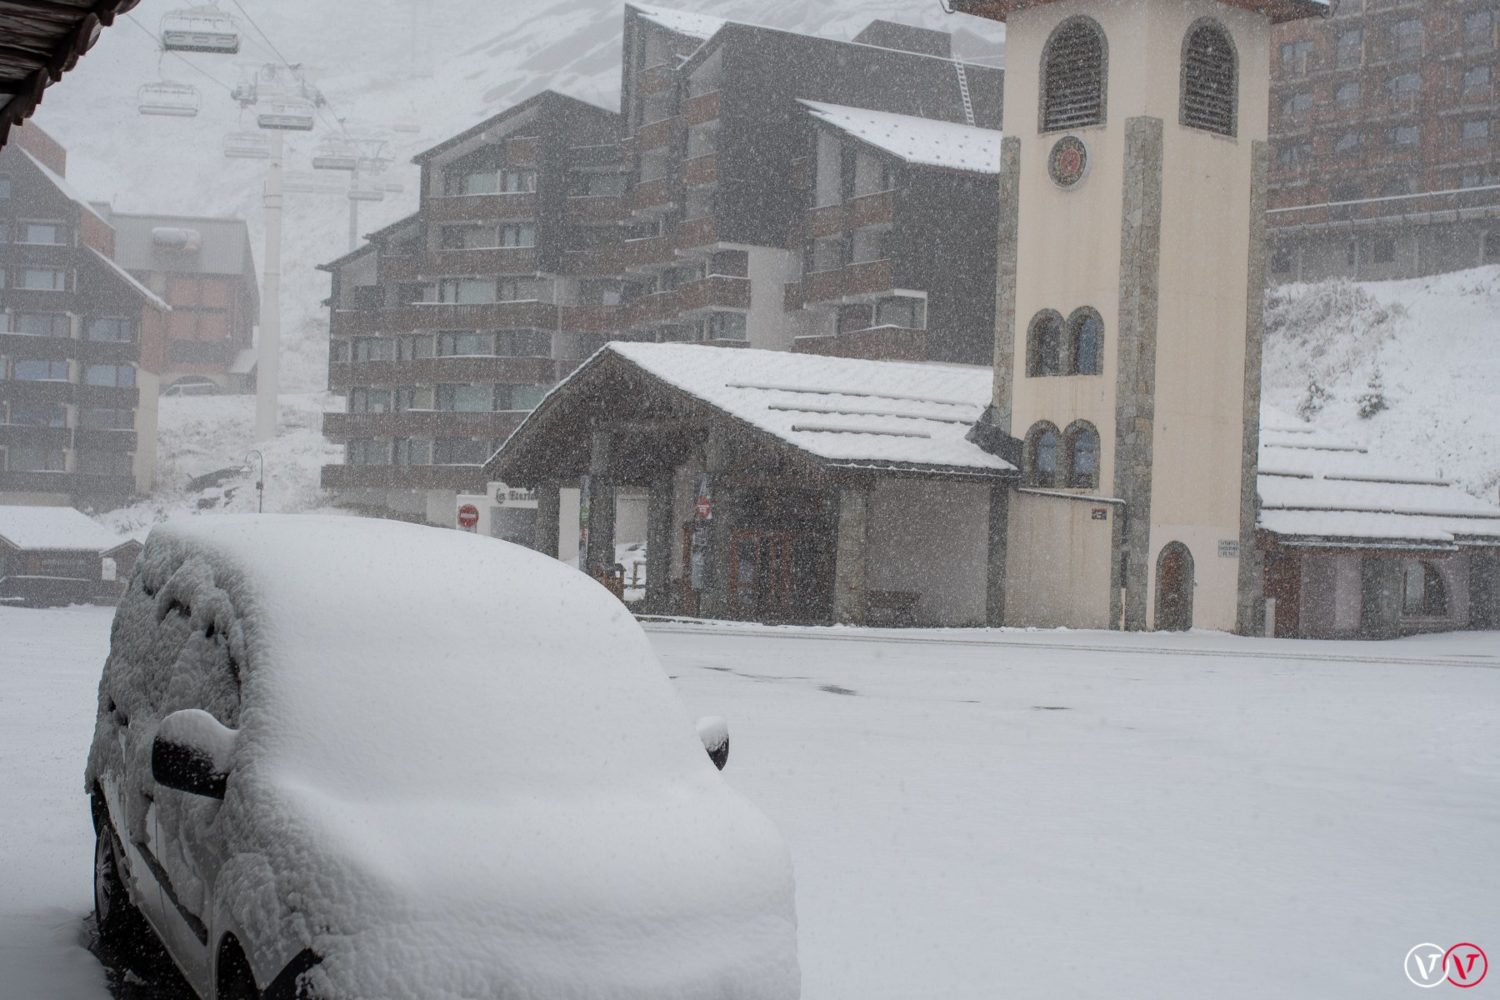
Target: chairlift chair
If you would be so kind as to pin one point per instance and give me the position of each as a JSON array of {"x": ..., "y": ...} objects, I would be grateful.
[
  {"x": 407, "y": 125},
  {"x": 366, "y": 194},
  {"x": 390, "y": 187},
  {"x": 247, "y": 146},
  {"x": 298, "y": 182},
  {"x": 334, "y": 154},
  {"x": 173, "y": 100},
  {"x": 200, "y": 29},
  {"x": 287, "y": 114}
]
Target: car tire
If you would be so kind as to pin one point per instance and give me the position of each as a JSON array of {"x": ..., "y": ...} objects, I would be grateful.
[
  {"x": 236, "y": 981},
  {"x": 122, "y": 928}
]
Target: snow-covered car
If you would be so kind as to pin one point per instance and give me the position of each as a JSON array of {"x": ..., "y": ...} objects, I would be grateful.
[{"x": 345, "y": 758}]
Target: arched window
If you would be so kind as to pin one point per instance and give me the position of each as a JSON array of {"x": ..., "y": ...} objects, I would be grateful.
[
  {"x": 1073, "y": 75},
  {"x": 1424, "y": 595},
  {"x": 1210, "y": 79},
  {"x": 1085, "y": 342},
  {"x": 1082, "y": 447},
  {"x": 1044, "y": 341},
  {"x": 1041, "y": 455}
]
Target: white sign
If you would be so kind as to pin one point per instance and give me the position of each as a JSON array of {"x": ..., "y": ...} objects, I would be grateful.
[
  {"x": 512, "y": 496},
  {"x": 1229, "y": 548}
]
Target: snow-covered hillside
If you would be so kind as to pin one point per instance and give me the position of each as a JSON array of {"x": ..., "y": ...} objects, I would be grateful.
[
  {"x": 1410, "y": 367},
  {"x": 445, "y": 64}
]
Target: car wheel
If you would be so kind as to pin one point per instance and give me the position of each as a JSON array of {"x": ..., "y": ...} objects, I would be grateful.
[
  {"x": 236, "y": 981},
  {"x": 122, "y": 929}
]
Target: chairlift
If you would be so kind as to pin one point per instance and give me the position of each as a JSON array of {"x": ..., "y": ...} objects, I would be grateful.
[
  {"x": 366, "y": 193},
  {"x": 389, "y": 187},
  {"x": 247, "y": 146},
  {"x": 286, "y": 114},
  {"x": 407, "y": 125},
  {"x": 335, "y": 154},
  {"x": 296, "y": 182},
  {"x": 173, "y": 100},
  {"x": 200, "y": 29}
]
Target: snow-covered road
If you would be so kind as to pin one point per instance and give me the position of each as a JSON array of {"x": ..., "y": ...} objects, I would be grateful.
[{"x": 979, "y": 815}]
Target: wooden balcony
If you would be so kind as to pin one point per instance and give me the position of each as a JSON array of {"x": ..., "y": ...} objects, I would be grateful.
[
  {"x": 650, "y": 196},
  {"x": 649, "y": 310},
  {"x": 882, "y": 343},
  {"x": 597, "y": 210},
  {"x": 869, "y": 210},
  {"x": 657, "y": 135},
  {"x": 420, "y": 423},
  {"x": 589, "y": 319},
  {"x": 523, "y": 151},
  {"x": 480, "y": 207},
  {"x": 39, "y": 392},
  {"x": 600, "y": 262},
  {"x": 701, "y": 171},
  {"x": 434, "y": 371},
  {"x": 103, "y": 352},
  {"x": 869, "y": 278},
  {"x": 717, "y": 291},
  {"x": 607, "y": 155},
  {"x": 701, "y": 109},
  {"x": 109, "y": 396},
  {"x": 696, "y": 233},
  {"x": 73, "y": 484},
  {"x": 18, "y": 436},
  {"x": 478, "y": 261},
  {"x": 657, "y": 79},
  {"x": 103, "y": 439},
  {"x": 24, "y": 347},
  {"x": 445, "y": 316},
  {"x": 658, "y": 251},
  {"x": 459, "y": 478}
]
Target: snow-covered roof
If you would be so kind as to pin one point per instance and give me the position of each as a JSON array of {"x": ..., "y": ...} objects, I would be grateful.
[
  {"x": 680, "y": 21},
  {"x": 1316, "y": 488},
  {"x": 924, "y": 141},
  {"x": 125, "y": 276},
  {"x": 69, "y": 191},
  {"x": 244, "y": 362},
  {"x": 55, "y": 528},
  {"x": 846, "y": 411}
]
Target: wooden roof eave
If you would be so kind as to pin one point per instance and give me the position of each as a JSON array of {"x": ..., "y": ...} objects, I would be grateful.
[{"x": 1277, "y": 10}]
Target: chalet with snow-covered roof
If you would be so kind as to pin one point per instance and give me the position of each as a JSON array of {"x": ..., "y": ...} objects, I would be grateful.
[
  {"x": 1356, "y": 545},
  {"x": 55, "y": 555}
]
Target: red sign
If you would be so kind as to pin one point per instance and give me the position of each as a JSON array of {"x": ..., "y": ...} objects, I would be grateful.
[
  {"x": 468, "y": 516},
  {"x": 704, "y": 508}
]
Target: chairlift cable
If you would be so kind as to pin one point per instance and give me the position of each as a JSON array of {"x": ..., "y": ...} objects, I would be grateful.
[{"x": 337, "y": 123}]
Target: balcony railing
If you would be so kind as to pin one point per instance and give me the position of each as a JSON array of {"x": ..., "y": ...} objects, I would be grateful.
[
  {"x": 656, "y": 251},
  {"x": 480, "y": 207},
  {"x": 460, "y": 478},
  {"x": 717, "y": 291},
  {"x": 701, "y": 171},
  {"x": 868, "y": 278},
  {"x": 596, "y": 210},
  {"x": 867, "y": 210},
  {"x": 432, "y": 371},
  {"x": 589, "y": 319},
  {"x": 479, "y": 260},
  {"x": 701, "y": 109},
  {"x": 694, "y": 233},
  {"x": 657, "y": 135},
  {"x": 445, "y": 316},
  {"x": 420, "y": 423},
  {"x": 652, "y": 195},
  {"x": 886, "y": 343}
]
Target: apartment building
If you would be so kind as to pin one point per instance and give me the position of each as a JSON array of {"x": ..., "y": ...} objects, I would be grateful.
[
  {"x": 1386, "y": 124},
  {"x": 77, "y": 398},
  {"x": 205, "y": 270},
  {"x": 694, "y": 214}
]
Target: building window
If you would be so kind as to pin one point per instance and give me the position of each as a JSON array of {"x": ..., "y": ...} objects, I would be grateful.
[
  {"x": 467, "y": 291},
  {"x": 41, "y": 324},
  {"x": 517, "y": 181},
  {"x": 374, "y": 349},
  {"x": 522, "y": 290},
  {"x": 413, "y": 451},
  {"x": 1406, "y": 135},
  {"x": 523, "y": 343},
  {"x": 1349, "y": 95},
  {"x": 1296, "y": 104},
  {"x": 1405, "y": 38},
  {"x": 1041, "y": 455},
  {"x": 1295, "y": 57},
  {"x": 413, "y": 397},
  {"x": 1295, "y": 156},
  {"x": 466, "y": 237},
  {"x": 44, "y": 279},
  {"x": 1085, "y": 342},
  {"x": 369, "y": 451},
  {"x": 1475, "y": 133},
  {"x": 901, "y": 311},
  {"x": 43, "y": 233},
  {"x": 1476, "y": 81},
  {"x": 1404, "y": 88},
  {"x": 1283, "y": 259},
  {"x": 109, "y": 329},
  {"x": 1044, "y": 344},
  {"x": 1351, "y": 48},
  {"x": 24, "y": 414},
  {"x": 726, "y": 326},
  {"x": 519, "y": 235},
  {"x": 413, "y": 346},
  {"x": 106, "y": 418},
  {"x": 466, "y": 398},
  {"x": 363, "y": 399},
  {"x": 105, "y": 463},
  {"x": 4, "y": 188},
  {"x": 27, "y": 458},
  {"x": 1083, "y": 456},
  {"x": 1349, "y": 142},
  {"x": 518, "y": 397},
  {"x": 465, "y": 344},
  {"x": 459, "y": 451},
  {"x": 338, "y": 351},
  {"x": 117, "y": 376},
  {"x": 1073, "y": 76},
  {"x": 1479, "y": 30},
  {"x": 39, "y": 371},
  {"x": 1424, "y": 595}
]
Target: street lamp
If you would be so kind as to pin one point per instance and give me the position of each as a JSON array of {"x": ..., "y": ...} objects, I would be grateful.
[{"x": 260, "y": 480}]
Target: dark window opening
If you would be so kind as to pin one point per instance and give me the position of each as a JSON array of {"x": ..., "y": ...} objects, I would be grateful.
[
  {"x": 1210, "y": 79},
  {"x": 1044, "y": 345},
  {"x": 1073, "y": 76}
]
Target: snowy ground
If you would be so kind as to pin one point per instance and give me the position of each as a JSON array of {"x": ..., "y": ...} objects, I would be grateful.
[{"x": 978, "y": 815}]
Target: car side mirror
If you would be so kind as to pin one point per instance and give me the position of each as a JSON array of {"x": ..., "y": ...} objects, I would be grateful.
[
  {"x": 191, "y": 753},
  {"x": 714, "y": 732}
]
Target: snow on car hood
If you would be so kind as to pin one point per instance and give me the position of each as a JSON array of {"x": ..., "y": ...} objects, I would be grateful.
[{"x": 470, "y": 777}]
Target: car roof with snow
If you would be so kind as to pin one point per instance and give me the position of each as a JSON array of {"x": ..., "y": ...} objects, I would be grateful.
[{"x": 372, "y": 647}]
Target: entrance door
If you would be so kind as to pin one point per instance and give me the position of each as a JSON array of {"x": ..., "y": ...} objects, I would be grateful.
[
  {"x": 1174, "y": 588},
  {"x": 760, "y": 573}
]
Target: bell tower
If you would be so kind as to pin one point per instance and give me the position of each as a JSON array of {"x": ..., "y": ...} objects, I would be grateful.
[{"x": 1132, "y": 243}]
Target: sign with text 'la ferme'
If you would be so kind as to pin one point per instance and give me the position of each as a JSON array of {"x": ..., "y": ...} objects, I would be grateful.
[{"x": 512, "y": 496}]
